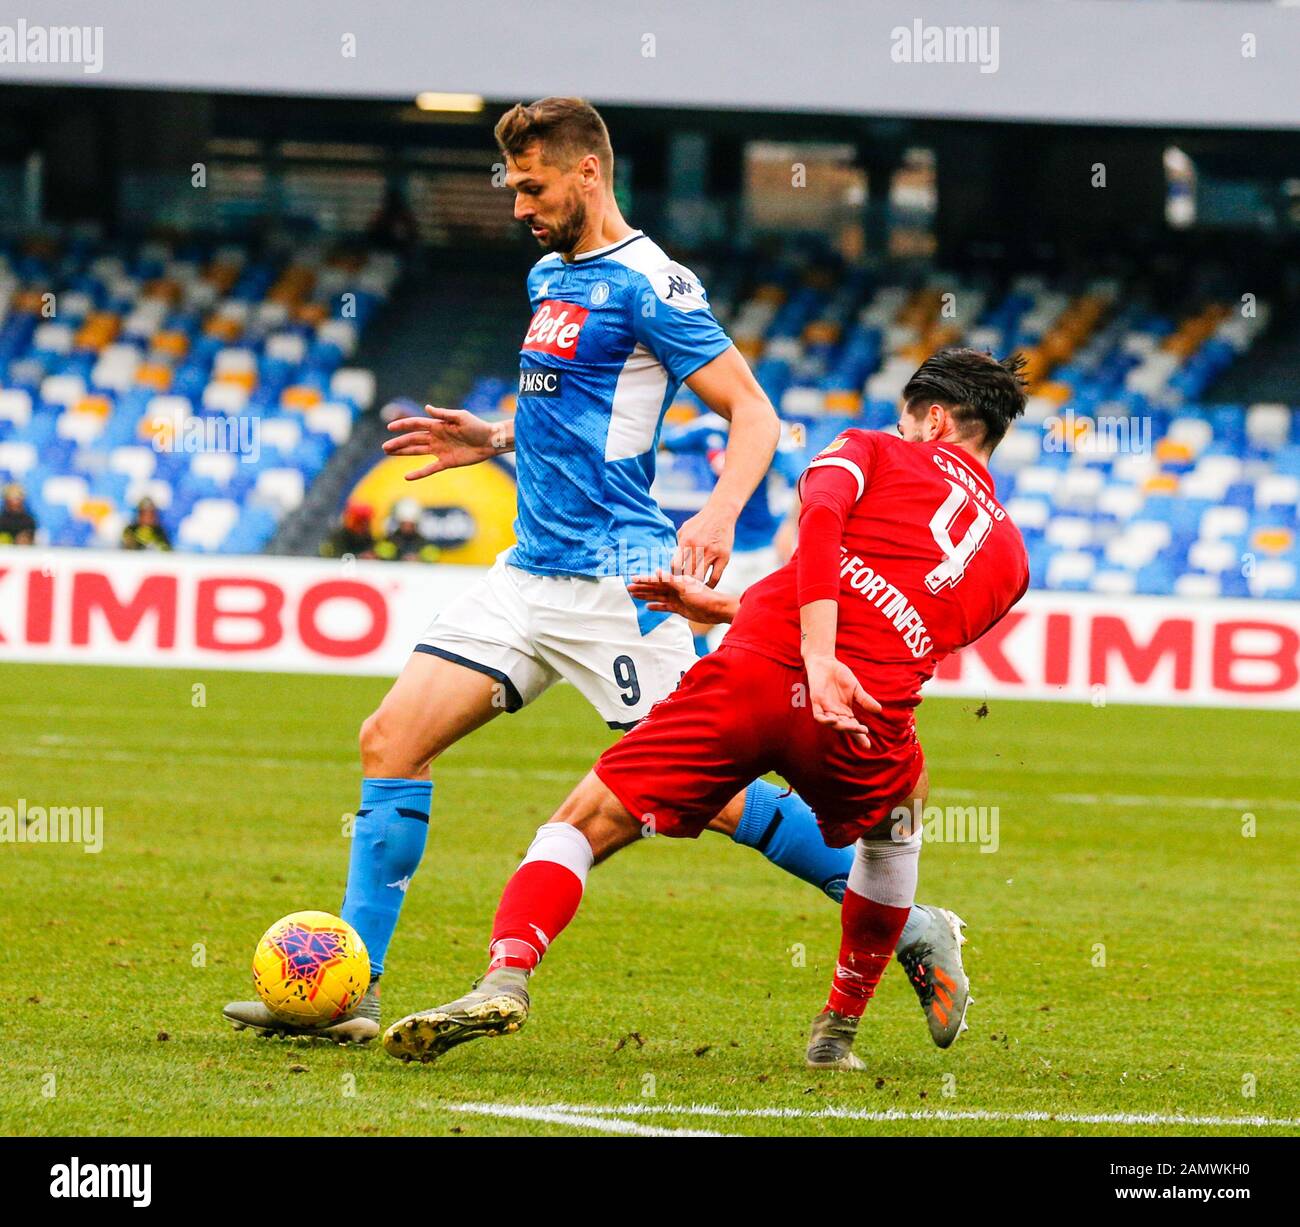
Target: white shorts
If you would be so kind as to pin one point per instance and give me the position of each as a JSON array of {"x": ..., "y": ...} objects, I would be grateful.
[{"x": 527, "y": 631}]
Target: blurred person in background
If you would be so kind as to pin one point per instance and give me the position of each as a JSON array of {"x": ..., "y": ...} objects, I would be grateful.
[
  {"x": 352, "y": 535},
  {"x": 405, "y": 542},
  {"x": 146, "y": 532},
  {"x": 17, "y": 524}
]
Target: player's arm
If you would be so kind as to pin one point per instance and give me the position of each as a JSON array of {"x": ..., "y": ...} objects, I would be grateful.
[
  {"x": 828, "y": 494},
  {"x": 728, "y": 387},
  {"x": 453, "y": 437}
]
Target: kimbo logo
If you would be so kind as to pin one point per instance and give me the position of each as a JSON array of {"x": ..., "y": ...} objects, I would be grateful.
[{"x": 539, "y": 381}]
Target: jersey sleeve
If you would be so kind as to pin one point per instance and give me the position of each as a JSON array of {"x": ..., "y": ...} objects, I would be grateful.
[
  {"x": 672, "y": 318},
  {"x": 853, "y": 452},
  {"x": 829, "y": 489}
]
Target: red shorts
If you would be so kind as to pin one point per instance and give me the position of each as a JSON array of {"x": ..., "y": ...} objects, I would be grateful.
[{"x": 735, "y": 717}]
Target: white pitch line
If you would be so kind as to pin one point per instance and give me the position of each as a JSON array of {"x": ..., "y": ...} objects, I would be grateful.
[
  {"x": 919, "y": 1114},
  {"x": 559, "y": 1114},
  {"x": 1139, "y": 799}
]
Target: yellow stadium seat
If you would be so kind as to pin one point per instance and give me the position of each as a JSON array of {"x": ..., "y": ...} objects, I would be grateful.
[
  {"x": 244, "y": 379},
  {"x": 1161, "y": 483},
  {"x": 171, "y": 344},
  {"x": 100, "y": 406},
  {"x": 1172, "y": 450},
  {"x": 844, "y": 402},
  {"x": 94, "y": 509},
  {"x": 300, "y": 397},
  {"x": 821, "y": 332},
  {"x": 1272, "y": 540},
  {"x": 155, "y": 375},
  {"x": 223, "y": 328}
]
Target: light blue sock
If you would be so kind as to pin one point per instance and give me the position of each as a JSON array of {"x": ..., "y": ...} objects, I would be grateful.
[
  {"x": 781, "y": 826},
  {"x": 702, "y": 645},
  {"x": 387, "y": 843}
]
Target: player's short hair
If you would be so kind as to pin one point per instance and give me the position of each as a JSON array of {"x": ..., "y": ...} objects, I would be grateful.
[
  {"x": 983, "y": 394},
  {"x": 567, "y": 129}
]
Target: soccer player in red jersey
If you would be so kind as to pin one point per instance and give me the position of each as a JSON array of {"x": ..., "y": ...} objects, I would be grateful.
[{"x": 904, "y": 555}]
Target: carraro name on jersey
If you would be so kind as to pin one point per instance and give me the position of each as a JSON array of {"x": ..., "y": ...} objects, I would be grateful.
[
  {"x": 963, "y": 475},
  {"x": 889, "y": 600},
  {"x": 555, "y": 328}
]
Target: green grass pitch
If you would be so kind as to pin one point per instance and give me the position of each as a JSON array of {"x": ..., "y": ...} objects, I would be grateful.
[{"x": 1132, "y": 944}]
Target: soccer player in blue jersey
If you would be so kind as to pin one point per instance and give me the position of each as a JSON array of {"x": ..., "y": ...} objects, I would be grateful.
[{"x": 617, "y": 327}]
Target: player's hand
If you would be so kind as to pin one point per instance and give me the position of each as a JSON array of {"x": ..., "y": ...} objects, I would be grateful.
[
  {"x": 453, "y": 437},
  {"x": 685, "y": 595},
  {"x": 704, "y": 546},
  {"x": 833, "y": 691}
]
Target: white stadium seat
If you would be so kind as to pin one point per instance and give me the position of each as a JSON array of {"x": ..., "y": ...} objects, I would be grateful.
[
  {"x": 282, "y": 488},
  {"x": 138, "y": 463},
  {"x": 208, "y": 524},
  {"x": 331, "y": 419},
  {"x": 1268, "y": 425},
  {"x": 1067, "y": 568},
  {"x": 219, "y": 466},
  {"x": 15, "y": 406},
  {"x": 17, "y": 458},
  {"x": 65, "y": 491},
  {"x": 355, "y": 384},
  {"x": 62, "y": 389}
]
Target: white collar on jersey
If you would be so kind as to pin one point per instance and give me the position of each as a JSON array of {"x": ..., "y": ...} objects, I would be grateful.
[{"x": 604, "y": 251}]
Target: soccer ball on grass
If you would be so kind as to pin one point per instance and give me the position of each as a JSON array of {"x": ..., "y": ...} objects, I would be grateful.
[{"x": 311, "y": 968}]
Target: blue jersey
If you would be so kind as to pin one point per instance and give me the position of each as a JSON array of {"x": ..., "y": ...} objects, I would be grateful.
[
  {"x": 759, "y": 518},
  {"x": 614, "y": 333}
]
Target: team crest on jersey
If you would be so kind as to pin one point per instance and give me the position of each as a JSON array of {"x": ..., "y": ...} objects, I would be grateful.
[
  {"x": 555, "y": 328},
  {"x": 833, "y": 446},
  {"x": 600, "y": 294}
]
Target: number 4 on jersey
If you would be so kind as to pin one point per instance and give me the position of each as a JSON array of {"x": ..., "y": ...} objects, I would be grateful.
[{"x": 956, "y": 556}]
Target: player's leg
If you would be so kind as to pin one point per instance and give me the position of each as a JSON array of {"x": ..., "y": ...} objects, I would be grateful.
[
  {"x": 776, "y": 822},
  {"x": 539, "y": 902},
  {"x": 666, "y": 777},
  {"x": 431, "y": 705},
  {"x": 881, "y": 890},
  {"x": 473, "y": 664},
  {"x": 929, "y": 950},
  {"x": 624, "y": 659}
]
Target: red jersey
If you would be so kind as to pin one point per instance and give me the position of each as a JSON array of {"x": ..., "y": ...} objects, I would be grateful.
[{"x": 911, "y": 541}]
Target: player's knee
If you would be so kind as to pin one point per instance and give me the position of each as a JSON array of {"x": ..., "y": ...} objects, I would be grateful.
[
  {"x": 382, "y": 754},
  {"x": 595, "y": 811}
]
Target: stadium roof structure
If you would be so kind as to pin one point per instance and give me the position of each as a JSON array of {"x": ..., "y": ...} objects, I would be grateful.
[{"x": 1145, "y": 62}]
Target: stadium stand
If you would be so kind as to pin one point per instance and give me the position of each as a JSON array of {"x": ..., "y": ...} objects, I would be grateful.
[
  {"x": 1123, "y": 477},
  {"x": 209, "y": 377}
]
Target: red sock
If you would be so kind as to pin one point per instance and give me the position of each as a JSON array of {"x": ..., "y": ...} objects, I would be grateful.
[
  {"x": 870, "y": 931},
  {"x": 537, "y": 904}
]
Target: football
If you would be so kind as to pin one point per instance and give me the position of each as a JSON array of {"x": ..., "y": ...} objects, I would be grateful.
[{"x": 311, "y": 968}]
